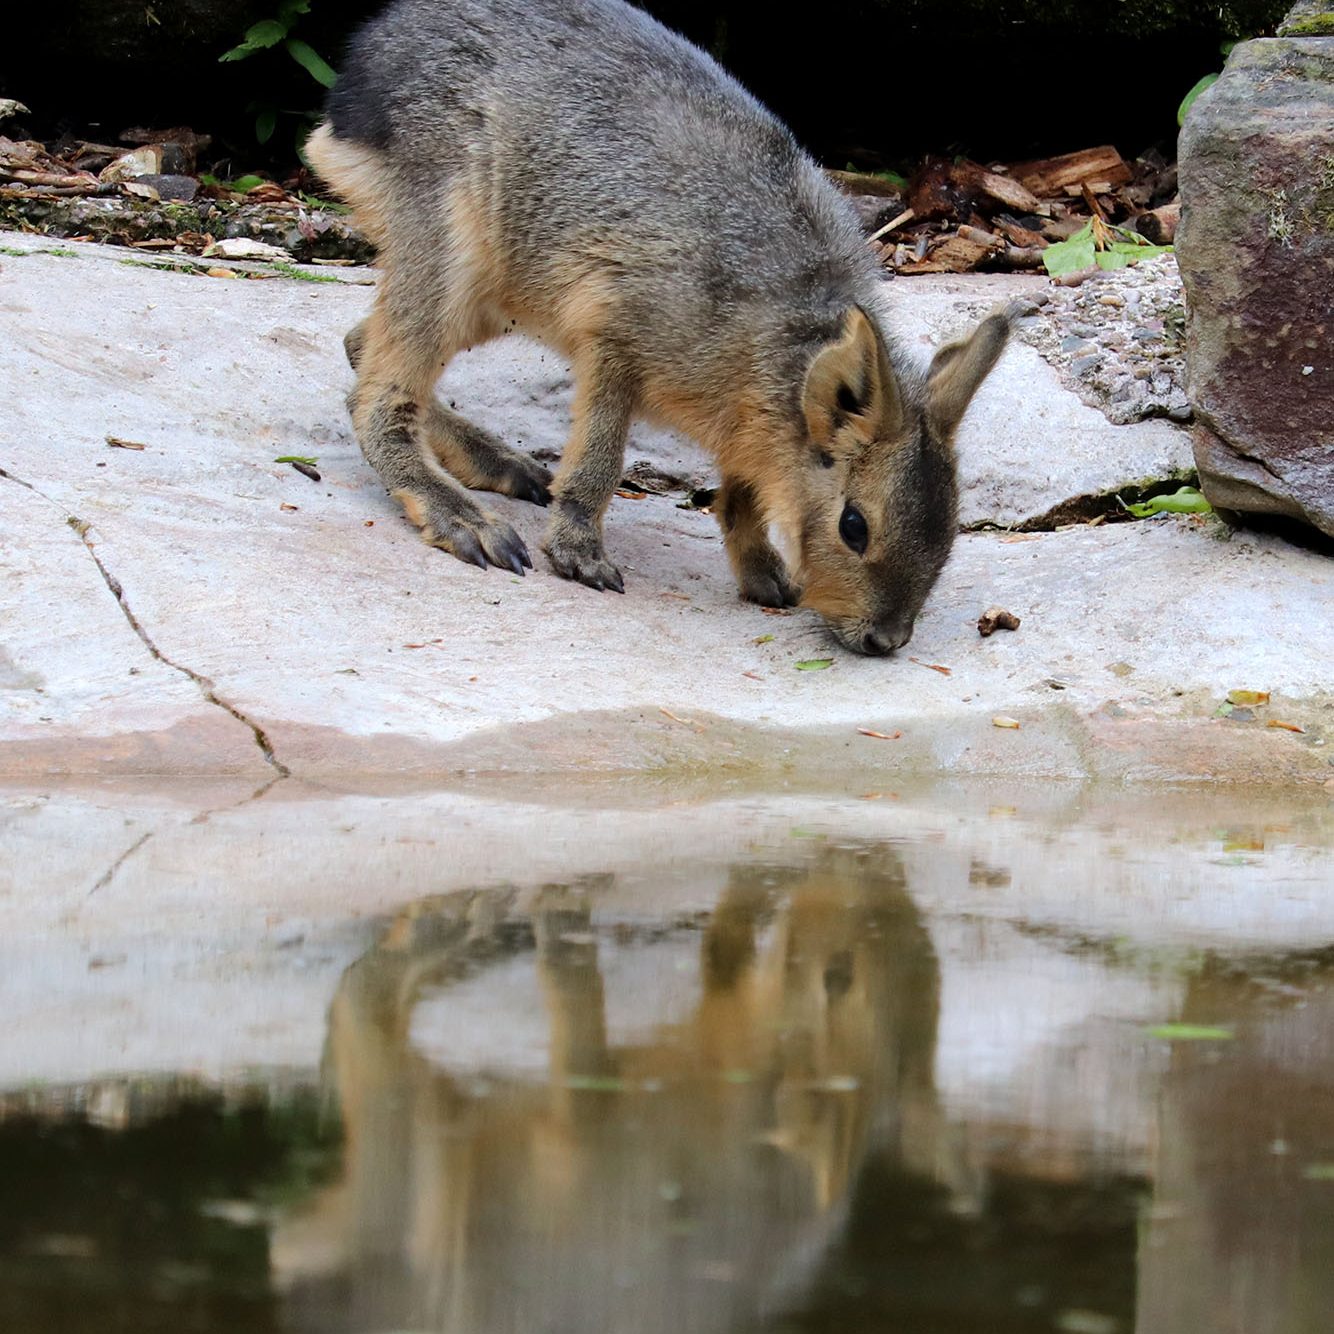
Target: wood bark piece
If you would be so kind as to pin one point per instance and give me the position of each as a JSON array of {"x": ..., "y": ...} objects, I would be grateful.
[
  {"x": 1159, "y": 225},
  {"x": 864, "y": 183},
  {"x": 1103, "y": 168}
]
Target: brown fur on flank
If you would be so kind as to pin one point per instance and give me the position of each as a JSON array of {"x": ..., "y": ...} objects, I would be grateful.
[{"x": 556, "y": 168}]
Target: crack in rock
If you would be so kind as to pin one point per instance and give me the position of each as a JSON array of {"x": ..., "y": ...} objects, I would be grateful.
[
  {"x": 205, "y": 685},
  {"x": 109, "y": 874}
]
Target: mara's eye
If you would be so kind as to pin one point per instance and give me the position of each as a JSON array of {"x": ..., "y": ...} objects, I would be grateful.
[{"x": 852, "y": 528}]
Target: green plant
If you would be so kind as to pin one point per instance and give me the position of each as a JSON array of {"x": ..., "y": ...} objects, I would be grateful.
[
  {"x": 269, "y": 34},
  {"x": 1208, "y": 81},
  {"x": 1189, "y": 100},
  {"x": 1100, "y": 243}
]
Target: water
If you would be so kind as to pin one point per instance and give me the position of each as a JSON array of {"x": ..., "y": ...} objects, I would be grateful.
[{"x": 787, "y": 1065}]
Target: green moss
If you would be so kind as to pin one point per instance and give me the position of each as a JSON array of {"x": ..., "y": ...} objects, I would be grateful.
[{"x": 1309, "y": 25}]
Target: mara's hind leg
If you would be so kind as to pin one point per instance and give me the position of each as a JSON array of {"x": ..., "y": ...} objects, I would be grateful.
[
  {"x": 397, "y": 352},
  {"x": 760, "y": 571},
  {"x": 472, "y": 455}
]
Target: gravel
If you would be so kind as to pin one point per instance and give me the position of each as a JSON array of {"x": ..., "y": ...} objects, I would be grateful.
[{"x": 1118, "y": 340}]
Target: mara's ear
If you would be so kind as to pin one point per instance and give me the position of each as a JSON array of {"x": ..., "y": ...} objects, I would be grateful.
[
  {"x": 958, "y": 369},
  {"x": 851, "y": 384}
]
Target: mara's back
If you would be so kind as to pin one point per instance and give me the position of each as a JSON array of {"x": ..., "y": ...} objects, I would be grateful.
[{"x": 592, "y": 132}]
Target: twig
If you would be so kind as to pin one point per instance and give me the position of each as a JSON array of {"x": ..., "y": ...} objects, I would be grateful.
[{"x": 906, "y": 216}]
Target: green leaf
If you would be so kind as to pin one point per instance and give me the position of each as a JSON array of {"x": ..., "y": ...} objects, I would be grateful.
[
  {"x": 596, "y": 1083},
  {"x": 814, "y": 664},
  {"x": 312, "y": 62},
  {"x": 266, "y": 33},
  {"x": 265, "y": 124},
  {"x": 1319, "y": 1172},
  {"x": 297, "y": 458},
  {"x": 1192, "y": 1032},
  {"x": 243, "y": 184},
  {"x": 1121, "y": 253},
  {"x": 1189, "y": 100},
  {"x": 289, "y": 9},
  {"x": 1185, "y": 500},
  {"x": 1071, "y": 256},
  {"x": 263, "y": 35}
]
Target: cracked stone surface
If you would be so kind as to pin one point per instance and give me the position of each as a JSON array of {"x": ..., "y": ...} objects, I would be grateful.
[{"x": 313, "y": 615}]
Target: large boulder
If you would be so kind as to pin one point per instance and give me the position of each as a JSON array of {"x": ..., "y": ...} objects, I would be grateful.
[{"x": 1256, "y": 251}]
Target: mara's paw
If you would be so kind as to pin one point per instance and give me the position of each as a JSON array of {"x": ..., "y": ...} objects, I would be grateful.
[
  {"x": 766, "y": 581},
  {"x": 472, "y": 535},
  {"x": 575, "y": 552},
  {"x": 524, "y": 478}
]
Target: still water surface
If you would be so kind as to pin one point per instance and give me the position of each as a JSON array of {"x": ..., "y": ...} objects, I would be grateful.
[{"x": 534, "y": 1115}]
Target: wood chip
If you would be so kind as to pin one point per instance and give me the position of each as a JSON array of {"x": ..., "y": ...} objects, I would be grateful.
[
  {"x": 1000, "y": 720},
  {"x": 117, "y": 443},
  {"x": 933, "y": 666},
  {"x": 1287, "y": 727},
  {"x": 996, "y": 618},
  {"x": 879, "y": 736},
  {"x": 1050, "y": 177},
  {"x": 864, "y": 183},
  {"x": 291, "y": 509}
]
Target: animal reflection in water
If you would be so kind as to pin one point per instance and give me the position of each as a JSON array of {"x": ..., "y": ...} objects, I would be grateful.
[{"x": 689, "y": 1178}]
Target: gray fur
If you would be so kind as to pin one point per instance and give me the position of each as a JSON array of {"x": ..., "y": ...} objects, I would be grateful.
[{"x": 603, "y": 156}]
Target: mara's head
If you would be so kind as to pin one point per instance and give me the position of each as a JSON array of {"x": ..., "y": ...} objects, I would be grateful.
[{"x": 877, "y": 495}]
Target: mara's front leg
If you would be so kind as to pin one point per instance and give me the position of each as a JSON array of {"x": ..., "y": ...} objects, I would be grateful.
[
  {"x": 589, "y": 471},
  {"x": 760, "y": 572}
]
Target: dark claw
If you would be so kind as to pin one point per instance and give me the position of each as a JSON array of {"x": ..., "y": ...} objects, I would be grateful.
[
  {"x": 533, "y": 492},
  {"x": 616, "y": 583},
  {"x": 468, "y": 548},
  {"x": 516, "y": 564}
]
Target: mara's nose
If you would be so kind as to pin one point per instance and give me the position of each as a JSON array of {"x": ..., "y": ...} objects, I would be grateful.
[{"x": 886, "y": 639}]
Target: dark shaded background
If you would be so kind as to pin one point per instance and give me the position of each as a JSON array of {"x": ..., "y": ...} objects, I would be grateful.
[{"x": 878, "y": 81}]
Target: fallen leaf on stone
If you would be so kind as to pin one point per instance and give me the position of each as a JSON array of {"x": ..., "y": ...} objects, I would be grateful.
[
  {"x": 775, "y": 611},
  {"x": 245, "y": 247},
  {"x": 880, "y": 736},
  {"x": 814, "y": 664},
  {"x": 754, "y": 676},
  {"x": 680, "y": 597},
  {"x": 631, "y": 495},
  {"x": 1192, "y": 1032},
  {"x": 878, "y": 796},
  {"x": 1186, "y": 500},
  {"x": 432, "y": 643},
  {"x": 764, "y": 639},
  {"x": 1000, "y": 720},
  {"x": 933, "y": 666},
  {"x": 1247, "y": 699},
  {"x": 296, "y": 458},
  {"x": 1020, "y": 537},
  {"x": 676, "y": 718},
  {"x": 117, "y": 443},
  {"x": 289, "y": 508},
  {"x": 1287, "y": 727},
  {"x": 307, "y": 471},
  {"x": 996, "y": 618},
  {"x": 596, "y": 1083},
  {"x": 221, "y": 273}
]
